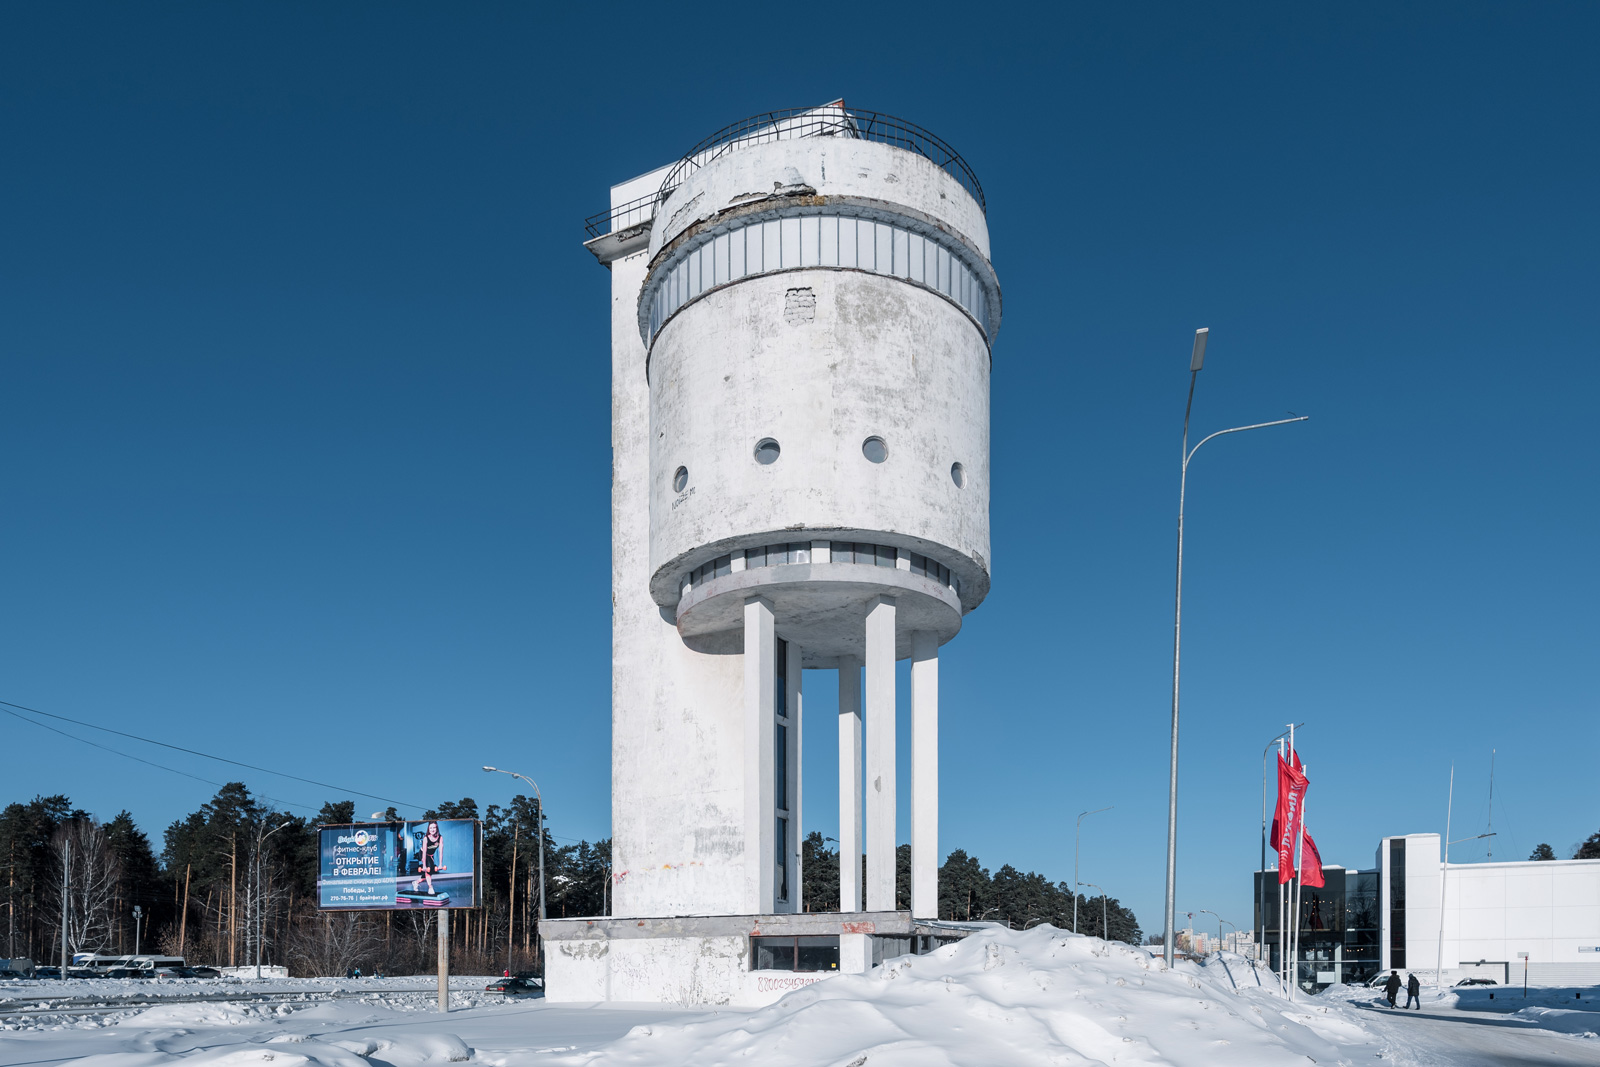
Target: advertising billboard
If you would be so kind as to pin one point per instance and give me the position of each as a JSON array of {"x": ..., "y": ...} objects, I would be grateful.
[{"x": 397, "y": 866}]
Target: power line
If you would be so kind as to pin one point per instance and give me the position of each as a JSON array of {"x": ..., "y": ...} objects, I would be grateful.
[
  {"x": 7, "y": 705},
  {"x": 203, "y": 755},
  {"x": 137, "y": 759}
]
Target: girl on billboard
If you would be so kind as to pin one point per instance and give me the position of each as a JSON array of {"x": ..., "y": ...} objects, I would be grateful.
[{"x": 429, "y": 863}]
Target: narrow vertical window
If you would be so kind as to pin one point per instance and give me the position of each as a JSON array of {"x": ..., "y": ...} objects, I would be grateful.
[
  {"x": 780, "y": 840},
  {"x": 780, "y": 693}
]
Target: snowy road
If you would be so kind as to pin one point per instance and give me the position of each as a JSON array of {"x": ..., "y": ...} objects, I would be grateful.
[{"x": 1474, "y": 1039}]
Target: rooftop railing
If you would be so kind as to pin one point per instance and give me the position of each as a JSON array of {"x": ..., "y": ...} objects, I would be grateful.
[{"x": 829, "y": 120}]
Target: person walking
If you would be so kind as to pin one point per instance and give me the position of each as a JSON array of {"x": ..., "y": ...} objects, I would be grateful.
[
  {"x": 1413, "y": 992},
  {"x": 1391, "y": 988}
]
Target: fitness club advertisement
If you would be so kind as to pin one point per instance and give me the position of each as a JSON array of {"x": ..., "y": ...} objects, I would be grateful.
[{"x": 397, "y": 866}]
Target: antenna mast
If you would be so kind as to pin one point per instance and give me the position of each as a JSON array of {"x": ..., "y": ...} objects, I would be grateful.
[{"x": 1490, "y": 827}]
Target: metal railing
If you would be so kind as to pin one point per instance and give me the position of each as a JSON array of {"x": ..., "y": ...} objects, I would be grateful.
[
  {"x": 624, "y": 215},
  {"x": 829, "y": 120}
]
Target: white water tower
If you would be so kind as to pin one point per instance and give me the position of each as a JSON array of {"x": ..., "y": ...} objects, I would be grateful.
[{"x": 803, "y": 311}]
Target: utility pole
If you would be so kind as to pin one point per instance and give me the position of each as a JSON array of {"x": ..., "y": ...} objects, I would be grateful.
[
  {"x": 137, "y": 912},
  {"x": 66, "y": 899}
]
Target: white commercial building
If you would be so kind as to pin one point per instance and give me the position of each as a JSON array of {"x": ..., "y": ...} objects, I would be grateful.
[
  {"x": 1498, "y": 917},
  {"x": 802, "y": 314}
]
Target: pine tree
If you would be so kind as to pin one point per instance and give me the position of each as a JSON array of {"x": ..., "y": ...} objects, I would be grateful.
[{"x": 1543, "y": 852}]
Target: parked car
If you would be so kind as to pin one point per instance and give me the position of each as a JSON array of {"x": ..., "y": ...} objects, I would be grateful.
[
  {"x": 513, "y": 987},
  {"x": 47, "y": 972},
  {"x": 12, "y": 974},
  {"x": 200, "y": 972},
  {"x": 1470, "y": 981}
]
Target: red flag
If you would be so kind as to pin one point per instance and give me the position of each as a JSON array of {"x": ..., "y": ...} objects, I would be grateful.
[
  {"x": 1286, "y": 821},
  {"x": 1311, "y": 865}
]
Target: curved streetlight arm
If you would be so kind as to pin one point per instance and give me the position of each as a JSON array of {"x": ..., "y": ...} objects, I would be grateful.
[
  {"x": 1241, "y": 429},
  {"x": 540, "y": 798}
]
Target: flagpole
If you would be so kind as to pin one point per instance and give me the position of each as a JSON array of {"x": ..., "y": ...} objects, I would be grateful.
[
  {"x": 1292, "y": 920},
  {"x": 1283, "y": 907},
  {"x": 1300, "y": 872}
]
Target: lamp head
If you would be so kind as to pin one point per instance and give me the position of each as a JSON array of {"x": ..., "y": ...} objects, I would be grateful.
[
  {"x": 488, "y": 768},
  {"x": 376, "y": 815},
  {"x": 1197, "y": 360}
]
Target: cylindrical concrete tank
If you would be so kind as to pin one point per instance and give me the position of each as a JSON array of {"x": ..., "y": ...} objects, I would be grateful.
[{"x": 819, "y": 312}]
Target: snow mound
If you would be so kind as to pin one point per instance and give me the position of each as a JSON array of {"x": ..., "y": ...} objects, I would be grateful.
[
  {"x": 204, "y": 1014},
  {"x": 1007, "y": 997}
]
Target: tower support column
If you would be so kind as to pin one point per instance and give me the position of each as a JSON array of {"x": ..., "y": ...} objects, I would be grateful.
[
  {"x": 924, "y": 775},
  {"x": 790, "y": 875},
  {"x": 760, "y": 668},
  {"x": 849, "y": 783},
  {"x": 879, "y": 729}
]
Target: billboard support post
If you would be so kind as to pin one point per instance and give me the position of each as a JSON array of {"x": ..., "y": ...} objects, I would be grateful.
[{"x": 444, "y": 960}]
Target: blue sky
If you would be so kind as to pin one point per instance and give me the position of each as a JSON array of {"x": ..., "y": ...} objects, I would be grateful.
[{"x": 305, "y": 460}]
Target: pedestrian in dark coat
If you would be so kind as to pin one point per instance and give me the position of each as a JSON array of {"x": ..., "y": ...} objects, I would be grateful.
[
  {"x": 1391, "y": 988},
  {"x": 1413, "y": 992}
]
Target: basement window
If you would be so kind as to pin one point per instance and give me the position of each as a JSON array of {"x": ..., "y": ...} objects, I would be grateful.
[{"x": 794, "y": 953}]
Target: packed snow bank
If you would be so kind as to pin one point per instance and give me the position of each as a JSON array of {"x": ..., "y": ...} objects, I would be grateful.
[{"x": 1005, "y": 997}]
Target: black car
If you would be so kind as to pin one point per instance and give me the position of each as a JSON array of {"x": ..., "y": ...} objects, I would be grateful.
[
  {"x": 47, "y": 972},
  {"x": 1468, "y": 981},
  {"x": 513, "y": 987},
  {"x": 201, "y": 972}
]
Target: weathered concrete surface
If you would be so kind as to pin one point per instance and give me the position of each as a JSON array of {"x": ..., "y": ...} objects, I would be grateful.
[
  {"x": 677, "y": 761},
  {"x": 832, "y": 167},
  {"x": 880, "y": 358},
  {"x": 696, "y": 959}
]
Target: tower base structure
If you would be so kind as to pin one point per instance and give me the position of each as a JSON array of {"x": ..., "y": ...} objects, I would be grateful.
[{"x": 726, "y": 960}]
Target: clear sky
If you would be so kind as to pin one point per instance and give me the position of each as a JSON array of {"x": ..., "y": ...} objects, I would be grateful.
[{"x": 304, "y": 451}]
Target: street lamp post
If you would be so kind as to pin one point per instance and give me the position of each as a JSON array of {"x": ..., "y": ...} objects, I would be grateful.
[
  {"x": 1220, "y": 921},
  {"x": 540, "y": 798},
  {"x": 1077, "y": 840},
  {"x": 1196, "y": 360},
  {"x": 138, "y": 913},
  {"x": 1105, "y": 928},
  {"x": 260, "y": 919}
]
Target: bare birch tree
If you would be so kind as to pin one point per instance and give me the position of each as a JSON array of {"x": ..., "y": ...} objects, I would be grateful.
[{"x": 88, "y": 873}]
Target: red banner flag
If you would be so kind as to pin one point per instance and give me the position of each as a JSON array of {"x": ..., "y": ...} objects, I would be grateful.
[
  {"x": 1311, "y": 865},
  {"x": 1286, "y": 821}
]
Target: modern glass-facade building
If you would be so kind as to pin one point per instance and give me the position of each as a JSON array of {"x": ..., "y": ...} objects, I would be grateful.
[{"x": 1340, "y": 927}]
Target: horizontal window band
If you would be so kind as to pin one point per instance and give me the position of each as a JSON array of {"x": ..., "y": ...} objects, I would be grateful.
[{"x": 763, "y": 245}]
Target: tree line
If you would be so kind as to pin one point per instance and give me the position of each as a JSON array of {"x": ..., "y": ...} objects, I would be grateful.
[
  {"x": 237, "y": 878},
  {"x": 967, "y": 891},
  {"x": 237, "y": 875},
  {"x": 1587, "y": 849}
]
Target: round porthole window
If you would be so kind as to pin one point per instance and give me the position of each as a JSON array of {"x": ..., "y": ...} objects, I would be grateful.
[
  {"x": 680, "y": 479},
  {"x": 767, "y": 451},
  {"x": 875, "y": 449},
  {"x": 958, "y": 474}
]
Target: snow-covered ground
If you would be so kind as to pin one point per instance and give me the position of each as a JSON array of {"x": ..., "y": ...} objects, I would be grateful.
[{"x": 999, "y": 998}]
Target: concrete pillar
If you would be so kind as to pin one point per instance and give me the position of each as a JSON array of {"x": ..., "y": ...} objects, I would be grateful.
[
  {"x": 855, "y": 953},
  {"x": 849, "y": 783},
  {"x": 760, "y": 651},
  {"x": 792, "y": 750},
  {"x": 924, "y": 775},
  {"x": 880, "y": 754}
]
